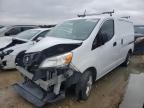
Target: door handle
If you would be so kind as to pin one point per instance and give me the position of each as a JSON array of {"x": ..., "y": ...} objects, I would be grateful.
[
  {"x": 114, "y": 44},
  {"x": 121, "y": 41}
]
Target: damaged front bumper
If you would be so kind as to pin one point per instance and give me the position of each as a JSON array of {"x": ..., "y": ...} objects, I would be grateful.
[
  {"x": 56, "y": 81},
  {"x": 28, "y": 93},
  {"x": 7, "y": 60},
  {"x": 36, "y": 95},
  {"x": 39, "y": 93}
]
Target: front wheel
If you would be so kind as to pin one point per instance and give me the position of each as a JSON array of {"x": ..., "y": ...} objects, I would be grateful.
[{"x": 84, "y": 86}]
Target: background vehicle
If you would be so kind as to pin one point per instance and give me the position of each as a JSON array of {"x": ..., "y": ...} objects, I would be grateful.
[
  {"x": 139, "y": 39},
  {"x": 139, "y": 29},
  {"x": 76, "y": 52},
  {"x": 1, "y": 26},
  {"x": 14, "y": 29},
  {"x": 11, "y": 46}
]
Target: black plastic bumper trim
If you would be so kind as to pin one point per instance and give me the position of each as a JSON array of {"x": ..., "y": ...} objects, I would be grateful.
[{"x": 28, "y": 96}]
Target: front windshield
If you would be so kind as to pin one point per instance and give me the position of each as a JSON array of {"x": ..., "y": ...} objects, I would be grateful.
[
  {"x": 28, "y": 34},
  {"x": 139, "y": 29},
  {"x": 74, "y": 29}
]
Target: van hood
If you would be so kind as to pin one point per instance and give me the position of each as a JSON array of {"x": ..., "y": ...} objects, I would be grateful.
[
  {"x": 49, "y": 42},
  {"x": 46, "y": 48},
  {"x": 6, "y": 42}
]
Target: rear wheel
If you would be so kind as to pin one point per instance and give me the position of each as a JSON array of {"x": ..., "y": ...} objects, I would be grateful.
[
  {"x": 84, "y": 86},
  {"x": 127, "y": 61}
]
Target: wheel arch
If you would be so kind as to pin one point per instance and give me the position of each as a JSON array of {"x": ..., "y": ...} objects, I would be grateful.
[
  {"x": 130, "y": 51},
  {"x": 94, "y": 72}
]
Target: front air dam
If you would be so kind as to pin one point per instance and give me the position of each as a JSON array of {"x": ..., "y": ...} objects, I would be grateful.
[{"x": 36, "y": 95}]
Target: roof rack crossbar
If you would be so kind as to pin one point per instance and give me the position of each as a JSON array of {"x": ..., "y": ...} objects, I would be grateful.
[
  {"x": 84, "y": 15},
  {"x": 127, "y": 17}
]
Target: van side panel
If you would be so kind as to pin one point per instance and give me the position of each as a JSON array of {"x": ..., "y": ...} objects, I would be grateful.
[
  {"x": 84, "y": 58},
  {"x": 125, "y": 30}
]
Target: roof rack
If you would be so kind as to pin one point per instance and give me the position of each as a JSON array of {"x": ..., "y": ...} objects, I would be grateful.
[
  {"x": 127, "y": 17},
  {"x": 93, "y": 14}
]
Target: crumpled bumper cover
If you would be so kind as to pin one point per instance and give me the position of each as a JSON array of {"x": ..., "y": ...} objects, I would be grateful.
[
  {"x": 33, "y": 96},
  {"x": 36, "y": 95}
]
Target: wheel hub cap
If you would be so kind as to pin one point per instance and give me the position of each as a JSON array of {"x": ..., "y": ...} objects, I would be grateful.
[{"x": 89, "y": 86}]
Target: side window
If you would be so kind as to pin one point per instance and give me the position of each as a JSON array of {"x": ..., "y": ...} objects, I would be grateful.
[
  {"x": 41, "y": 35},
  {"x": 105, "y": 34},
  {"x": 13, "y": 31}
]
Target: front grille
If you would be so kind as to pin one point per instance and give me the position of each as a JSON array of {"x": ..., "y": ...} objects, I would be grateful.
[
  {"x": 44, "y": 74},
  {"x": 31, "y": 61},
  {"x": 27, "y": 58},
  {"x": 50, "y": 73},
  {"x": 31, "y": 57}
]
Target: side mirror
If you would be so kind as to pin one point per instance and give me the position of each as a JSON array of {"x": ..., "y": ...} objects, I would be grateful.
[{"x": 38, "y": 39}]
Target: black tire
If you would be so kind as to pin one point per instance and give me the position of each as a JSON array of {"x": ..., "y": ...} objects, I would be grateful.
[
  {"x": 127, "y": 61},
  {"x": 83, "y": 87}
]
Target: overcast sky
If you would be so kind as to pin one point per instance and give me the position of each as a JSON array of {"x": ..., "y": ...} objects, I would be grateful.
[{"x": 54, "y": 11}]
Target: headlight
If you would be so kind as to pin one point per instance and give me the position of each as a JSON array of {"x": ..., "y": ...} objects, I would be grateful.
[{"x": 57, "y": 61}]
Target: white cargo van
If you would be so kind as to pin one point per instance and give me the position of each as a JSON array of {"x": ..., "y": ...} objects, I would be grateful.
[{"x": 76, "y": 52}]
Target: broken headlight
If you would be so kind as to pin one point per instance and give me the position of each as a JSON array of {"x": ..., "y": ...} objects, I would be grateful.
[{"x": 57, "y": 61}]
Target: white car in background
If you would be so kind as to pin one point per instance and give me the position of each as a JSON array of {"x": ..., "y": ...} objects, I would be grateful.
[
  {"x": 13, "y": 30},
  {"x": 11, "y": 46}
]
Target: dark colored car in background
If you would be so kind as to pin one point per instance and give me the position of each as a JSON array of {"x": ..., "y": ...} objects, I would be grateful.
[
  {"x": 1, "y": 26},
  {"x": 139, "y": 39},
  {"x": 14, "y": 29},
  {"x": 139, "y": 31}
]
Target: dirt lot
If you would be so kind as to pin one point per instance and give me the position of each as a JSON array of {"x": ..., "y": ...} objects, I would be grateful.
[{"x": 106, "y": 93}]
